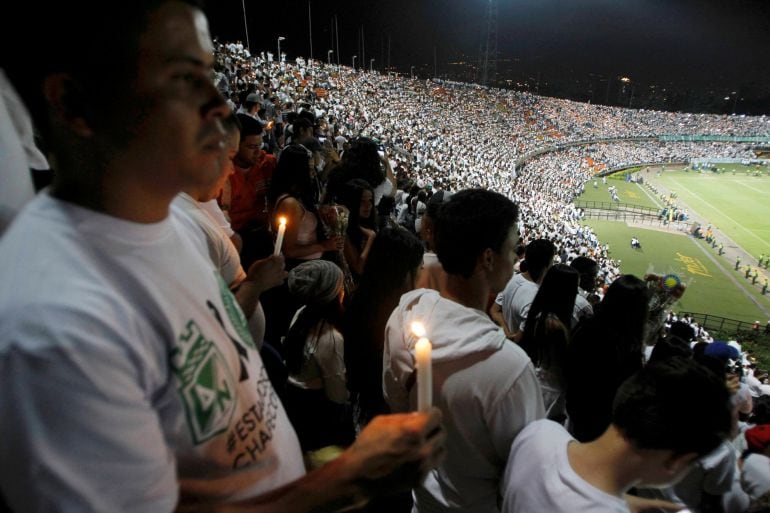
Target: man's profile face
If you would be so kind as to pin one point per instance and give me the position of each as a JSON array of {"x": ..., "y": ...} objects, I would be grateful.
[
  {"x": 227, "y": 169},
  {"x": 176, "y": 139}
]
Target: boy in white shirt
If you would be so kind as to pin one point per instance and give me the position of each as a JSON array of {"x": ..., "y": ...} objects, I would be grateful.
[{"x": 664, "y": 418}]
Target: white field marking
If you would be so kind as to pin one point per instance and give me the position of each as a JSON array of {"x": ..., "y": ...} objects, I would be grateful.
[
  {"x": 654, "y": 200},
  {"x": 739, "y": 225},
  {"x": 741, "y": 286},
  {"x": 749, "y": 186}
]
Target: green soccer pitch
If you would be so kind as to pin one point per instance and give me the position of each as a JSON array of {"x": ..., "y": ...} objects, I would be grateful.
[
  {"x": 629, "y": 193},
  {"x": 738, "y": 204},
  {"x": 713, "y": 286}
]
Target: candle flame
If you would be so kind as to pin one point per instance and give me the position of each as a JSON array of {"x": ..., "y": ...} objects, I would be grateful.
[
  {"x": 418, "y": 329},
  {"x": 282, "y": 221}
]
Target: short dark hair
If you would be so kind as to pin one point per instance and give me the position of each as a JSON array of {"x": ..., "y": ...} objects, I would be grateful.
[
  {"x": 539, "y": 255},
  {"x": 674, "y": 404},
  {"x": 470, "y": 222},
  {"x": 231, "y": 124},
  {"x": 301, "y": 123},
  {"x": 683, "y": 330},
  {"x": 588, "y": 269},
  {"x": 669, "y": 347},
  {"x": 249, "y": 126}
]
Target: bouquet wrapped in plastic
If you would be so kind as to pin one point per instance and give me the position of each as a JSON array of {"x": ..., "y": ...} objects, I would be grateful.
[
  {"x": 334, "y": 219},
  {"x": 665, "y": 290}
]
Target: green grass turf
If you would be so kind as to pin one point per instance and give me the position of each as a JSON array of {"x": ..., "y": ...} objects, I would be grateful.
[
  {"x": 630, "y": 193},
  {"x": 709, "y": 288},
  {"x": 738, "y": 204}
]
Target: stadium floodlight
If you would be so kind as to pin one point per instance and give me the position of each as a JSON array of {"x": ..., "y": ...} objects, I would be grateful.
[
  {"x": 625, "y": 79},
  {"x": 280, "y": 38}
]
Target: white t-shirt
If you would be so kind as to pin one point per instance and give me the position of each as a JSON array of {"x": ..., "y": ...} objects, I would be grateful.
[
  {"x": 324, "y": 366},
  {"x": 212, "y": 207},
  {"x": 539, "y": 477},
  {"x": 384, "y": 189},
  {"x": 221, "y": 250},
  {"x": 483, "y": 383},
  {"x": 755, "y": 476},
  {"x": 516, "y": 300},
  {"x": 128, "y": 370}
]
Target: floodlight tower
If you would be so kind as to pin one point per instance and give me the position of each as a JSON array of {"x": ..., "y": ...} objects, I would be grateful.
[{"x": 488, "y": 53}]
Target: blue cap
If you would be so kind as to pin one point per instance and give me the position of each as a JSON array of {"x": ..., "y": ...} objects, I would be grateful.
[{"x": 721, "y": 350}]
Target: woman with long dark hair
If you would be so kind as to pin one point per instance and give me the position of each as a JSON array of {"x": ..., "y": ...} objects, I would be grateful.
[
  {"x": 605, "y": 350},
  {"x": 358, "y": 196},
  {"x": 293, "y": 195},
  {"x": 547, "y": 332},
  {"x": 390, "y": 271}
]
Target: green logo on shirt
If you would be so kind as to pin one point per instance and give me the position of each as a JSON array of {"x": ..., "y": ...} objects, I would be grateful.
[{"x": 207, "y": 388}]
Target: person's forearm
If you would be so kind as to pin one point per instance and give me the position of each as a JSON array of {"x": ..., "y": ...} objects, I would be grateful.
[
  {"x": 331, "y": 488},
  {"x": 366, "y": 251},
  {"x": 247, "y": 296},
  {"x": 496, "y": 313}
]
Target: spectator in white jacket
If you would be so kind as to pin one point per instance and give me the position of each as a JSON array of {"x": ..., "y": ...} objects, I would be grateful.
[{"x": 484, "y": 384}]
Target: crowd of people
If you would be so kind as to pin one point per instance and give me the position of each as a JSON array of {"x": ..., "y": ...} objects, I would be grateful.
[{"x": 217, "y": 304}]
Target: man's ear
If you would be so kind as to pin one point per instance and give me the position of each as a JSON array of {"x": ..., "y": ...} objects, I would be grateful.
[
  {"x": 68, "y": 103},
  {"x": 487, "y": 259}
]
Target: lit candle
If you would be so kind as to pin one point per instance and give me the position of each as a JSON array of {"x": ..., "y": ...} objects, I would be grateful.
[
  {"x": 422, "y": 351},
  {"x": 279, "y": 239}
]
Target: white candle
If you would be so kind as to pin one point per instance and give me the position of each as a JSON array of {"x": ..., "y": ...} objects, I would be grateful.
[
  {"x": 279, "y": 239},
  {"x": 422, "y": 351}
]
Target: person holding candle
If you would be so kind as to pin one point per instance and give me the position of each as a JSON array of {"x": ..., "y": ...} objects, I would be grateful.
[
  {"x": 485, "y": 385},
  {"x": 293, "y": 197},
  {"x": 247, "y": 188},
  {"x": 262, "y": 275},
  {"x": 384, "y": 281},
  {"x": 153, "y": 397}
]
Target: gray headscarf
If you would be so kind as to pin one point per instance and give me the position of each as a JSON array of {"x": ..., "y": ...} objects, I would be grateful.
[{"x": 316, "y": 282}]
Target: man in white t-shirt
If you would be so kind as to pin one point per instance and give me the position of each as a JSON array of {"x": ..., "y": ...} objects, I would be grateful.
[
  {"x": 664, "y": 418},
  {"x": 131, "y": 381},
  {"x": 512, "y": 304},
  {"x": 588, "y": 270},
  {"x": 190, "y": 202}
]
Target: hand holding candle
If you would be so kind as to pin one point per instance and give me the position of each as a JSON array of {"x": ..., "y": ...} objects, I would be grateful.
[
  {"x": 422, "y": 350},
  {"x": 279, "y": 239}
]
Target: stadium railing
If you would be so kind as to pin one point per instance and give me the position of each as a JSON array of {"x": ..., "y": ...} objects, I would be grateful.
[
  {"x": 722, "y": 324},
  {"x": 624, "y": 207}
]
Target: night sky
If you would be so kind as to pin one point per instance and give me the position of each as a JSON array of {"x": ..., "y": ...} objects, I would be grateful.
[{"x": 705, "y": 44}]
